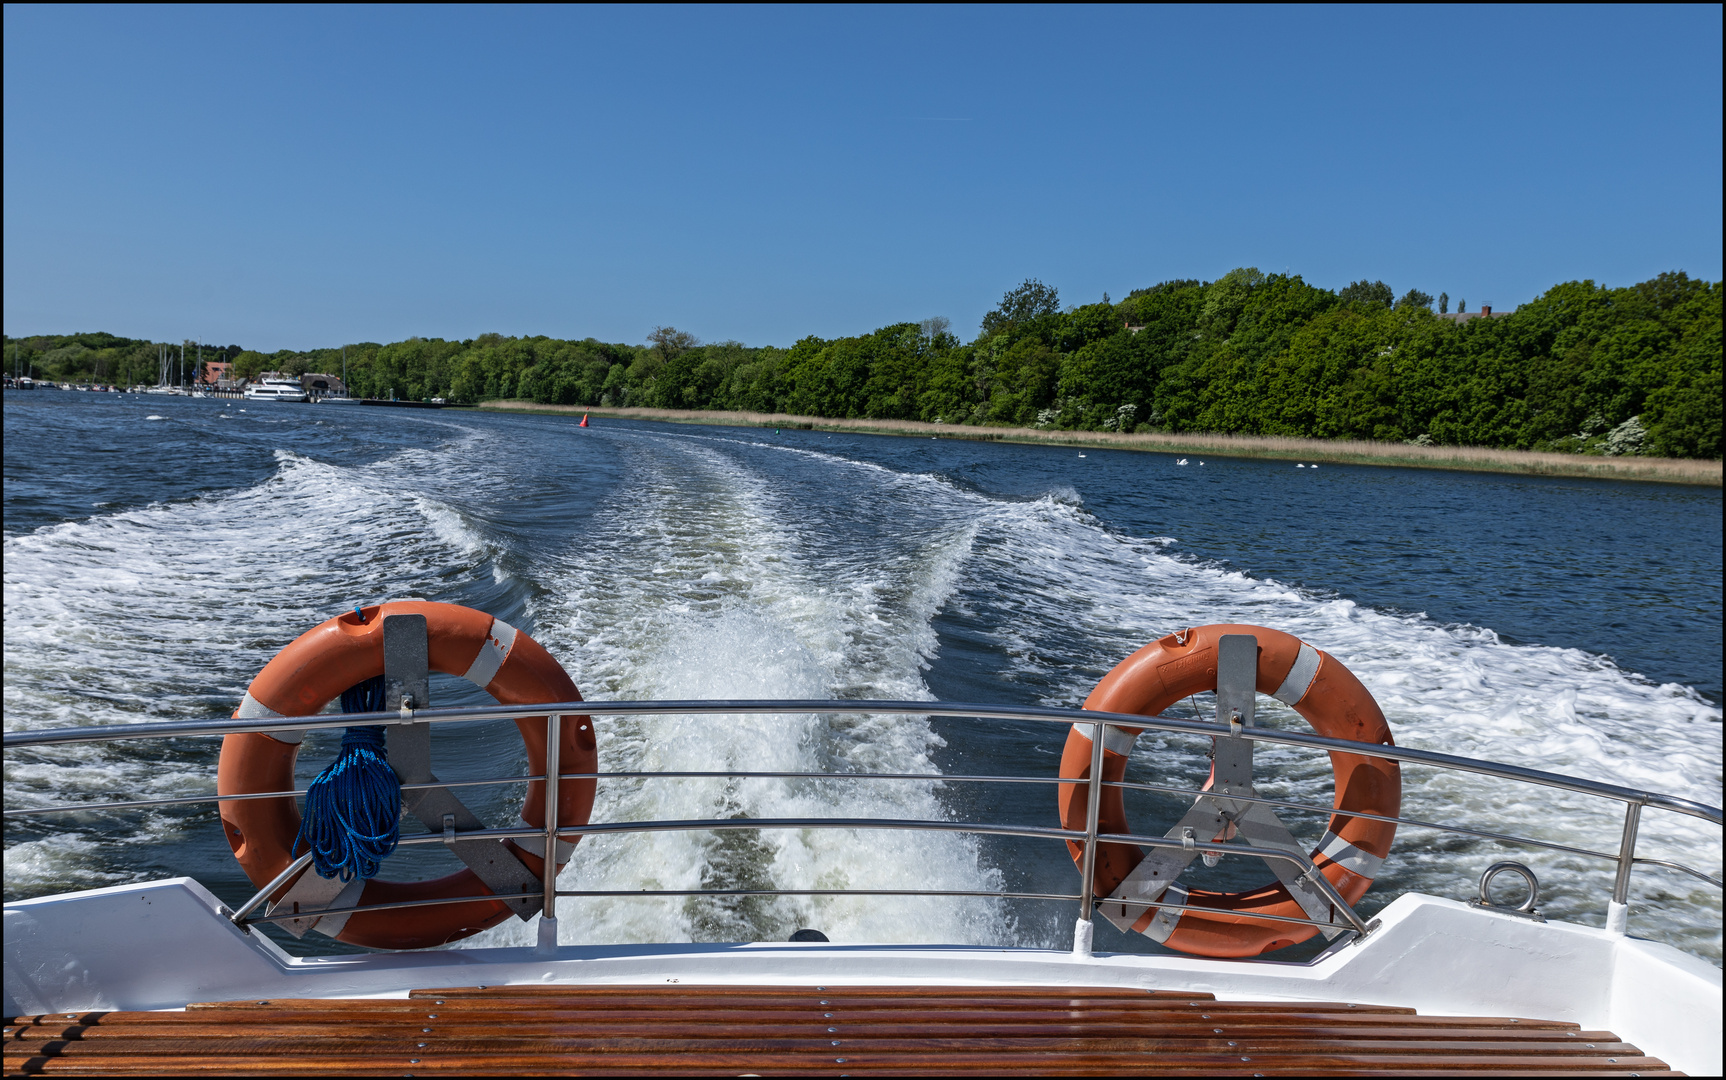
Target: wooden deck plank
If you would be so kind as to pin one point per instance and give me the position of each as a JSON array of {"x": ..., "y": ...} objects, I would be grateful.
[
  {"x": 402, "y": 1042},
  {"x": 633, "y": 998},
  {"x": 857, "y": 1064},
  {"x": 898, "y": 993},
  {"x": 1262, "y": 1015},
  {"x": 626, "y": 1000},
  {"x": 675, "y": 1030},
  {"x": 731, "y": 1027},
  {"x": 586, "y": 996},
  {"x": 169, "y": 1025}
]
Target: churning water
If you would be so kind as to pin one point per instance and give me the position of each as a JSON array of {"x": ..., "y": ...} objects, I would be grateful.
[{"x": 159, "y": 551}]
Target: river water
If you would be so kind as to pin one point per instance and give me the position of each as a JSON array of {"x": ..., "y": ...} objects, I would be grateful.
[{"x": 158, "y": 551}]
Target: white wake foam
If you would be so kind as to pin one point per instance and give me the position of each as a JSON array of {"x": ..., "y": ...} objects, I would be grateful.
[
  {"x": 1066, "y": 598},
  {"x": 733, "y": 567},
  {"x": 167, "y": 611},
  {"x": 704, "y": 586},
  {"x": 1069, "y": 599}
]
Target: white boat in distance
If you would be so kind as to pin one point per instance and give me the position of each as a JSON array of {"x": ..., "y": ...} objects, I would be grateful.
[
  {"x": 277, "y": 390},
  {"x": 163, "y": 976}
]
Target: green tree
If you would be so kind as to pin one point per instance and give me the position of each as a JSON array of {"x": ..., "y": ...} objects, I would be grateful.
[
  {"x": 1227, "y": 297},
  {"x": 1582, "y": 367},
  {"x": 1030, "y": 301},
  {"x": 249, "y": 364},
  {"x": 1365, "y": 293},
  {"x": 668, "y": 341}
]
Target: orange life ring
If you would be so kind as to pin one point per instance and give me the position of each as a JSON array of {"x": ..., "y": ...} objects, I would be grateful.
[
  {"x": 311, "y": 672},
  {"x": 1322, "y": 691}
]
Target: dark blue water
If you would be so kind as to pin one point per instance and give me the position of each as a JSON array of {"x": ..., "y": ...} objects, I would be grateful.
[
  {"x": 158, "y": 550},
  {"x": 1630, "y": 571}
]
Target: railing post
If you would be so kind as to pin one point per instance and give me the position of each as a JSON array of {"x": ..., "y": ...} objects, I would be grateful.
[
  {"x": 548, "y": 913},
  {"x": 1085, "y": 928},
  {"x": 238, "y": 917},
  {"x": 1618, "y": 908}
]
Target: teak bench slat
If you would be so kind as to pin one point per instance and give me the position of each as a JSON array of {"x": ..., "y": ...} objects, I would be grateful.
[{"x": 875, "y": 1030}]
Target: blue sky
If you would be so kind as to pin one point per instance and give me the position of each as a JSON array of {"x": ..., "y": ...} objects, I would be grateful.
[{"x": 300, "y": 177}]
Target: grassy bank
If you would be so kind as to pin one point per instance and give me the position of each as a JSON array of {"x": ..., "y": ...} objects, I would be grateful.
[{"x": 1665, "y": 470}]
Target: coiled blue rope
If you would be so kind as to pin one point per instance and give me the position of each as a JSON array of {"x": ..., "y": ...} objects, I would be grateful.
[{"x": 353, "y": 809}]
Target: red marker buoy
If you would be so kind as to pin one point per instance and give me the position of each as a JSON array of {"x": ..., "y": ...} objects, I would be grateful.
[{"x": 583, "y": 420}]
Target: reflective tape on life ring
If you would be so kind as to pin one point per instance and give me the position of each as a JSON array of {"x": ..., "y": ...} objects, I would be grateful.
[
  {"x": 1347, "y": 856},
  {"x": 316, "y": 668},
  {"x": 253, "y": 709},
  {"x": 492, "y": 654},
  {"x": 1322, "y": 691},
  {"x": 1300, "y": 676},
  {"x": 1115, "y": 740}
]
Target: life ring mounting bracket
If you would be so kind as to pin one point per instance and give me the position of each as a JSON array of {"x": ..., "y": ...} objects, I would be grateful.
[
  {"x": 407, "y": 685},
  {"x": 1138, "y": 889},
  {"x": 1227, "y": 809},
  {"x": 400, "y": 643}
]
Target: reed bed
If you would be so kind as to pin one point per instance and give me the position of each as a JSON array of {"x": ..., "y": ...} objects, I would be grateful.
[{"x": 1329, "y": 451}]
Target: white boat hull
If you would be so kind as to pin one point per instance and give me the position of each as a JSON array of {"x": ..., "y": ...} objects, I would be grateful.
[
  {"x": 302, "y": 398},
  {"x": 162, "y": 944}
]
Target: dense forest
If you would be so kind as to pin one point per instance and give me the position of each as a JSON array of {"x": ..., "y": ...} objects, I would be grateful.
[{"x": 1585, "y": 368}]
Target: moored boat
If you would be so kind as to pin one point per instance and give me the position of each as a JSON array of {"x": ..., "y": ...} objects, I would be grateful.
[{"x": 268, "y": 389}]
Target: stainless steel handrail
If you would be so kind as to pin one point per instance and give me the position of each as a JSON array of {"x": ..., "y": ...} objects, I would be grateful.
[
  {"x": 1033, "y": 713},
  {"x": 188, "y": 800},
  {"x": 1040, "y": 832},
  {"x": 625, "y": 894},
  {"x": 1416, "y": 823},
  {"x": 1090, "y": 837},
  {"x": 553, "y": 813},
  {"x": 1167, "y": 789},
  {"x": 275, "y": 883},
  {"x": 1305, "y": 864},
  {"x": 1680, "y": 867},
  {"x": 535, "y": 778}
]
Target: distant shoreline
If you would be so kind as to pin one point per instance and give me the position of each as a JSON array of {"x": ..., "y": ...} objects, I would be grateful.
[{"x": 1341, "y": 452}]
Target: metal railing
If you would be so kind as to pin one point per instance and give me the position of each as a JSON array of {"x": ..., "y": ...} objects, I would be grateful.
[{"x": 1089, "y": 838}]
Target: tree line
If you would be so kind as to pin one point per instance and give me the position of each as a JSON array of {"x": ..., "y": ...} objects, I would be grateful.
[{"x": 1582, "y": 368}]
